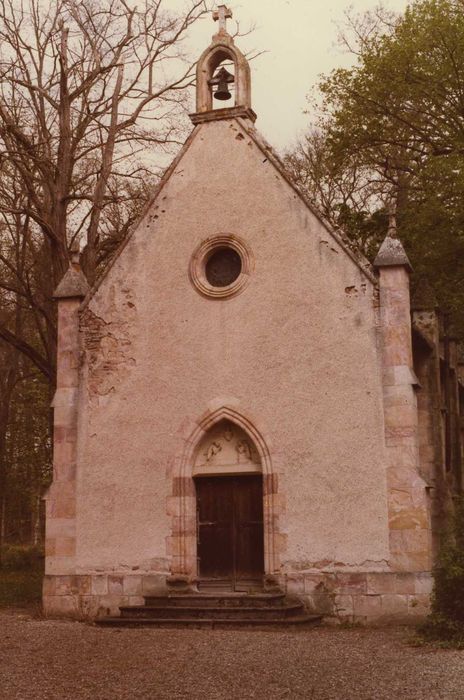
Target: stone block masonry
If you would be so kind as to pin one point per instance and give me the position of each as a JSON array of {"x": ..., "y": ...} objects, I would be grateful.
[
  {"x": 408, "y": 507},
  {"x": 60, "y": 540},
  {"x": 367, "y": 598},
  {"x": 60, "y": 535}
]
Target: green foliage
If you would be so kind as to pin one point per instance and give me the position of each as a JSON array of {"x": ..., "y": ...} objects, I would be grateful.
[
  {"x": 393, "y": 125},
  {"x": 446, "y": 621},
  {"x": 20, "y": 558},
  {"x": 21, "y": 576},
  {"x": 365, "y": 230},
  {"x": 404, "y": 97},
  {"x": 19, "y": 588},
  {"x": 27, "y": 457}
]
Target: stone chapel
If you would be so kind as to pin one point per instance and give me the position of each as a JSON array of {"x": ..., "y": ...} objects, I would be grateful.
[{"x": 244, "y": 405}]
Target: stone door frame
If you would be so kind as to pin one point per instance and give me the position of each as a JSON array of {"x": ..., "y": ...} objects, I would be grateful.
[{"x": 182, "y": 544}]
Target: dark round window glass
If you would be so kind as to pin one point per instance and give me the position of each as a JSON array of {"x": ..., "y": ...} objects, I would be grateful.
[{"x": 223, "y": 267}]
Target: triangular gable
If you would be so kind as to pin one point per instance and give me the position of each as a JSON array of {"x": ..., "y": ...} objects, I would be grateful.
[
  {"x": 356, "y": 256},
  {"x": 158, "y": 189}
]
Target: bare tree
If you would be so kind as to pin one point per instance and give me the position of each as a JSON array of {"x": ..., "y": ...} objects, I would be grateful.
[
  {"x": 330, "y": 183},
  {"x": 8, "y": 377},
  {"x": 85, "y": 88}
]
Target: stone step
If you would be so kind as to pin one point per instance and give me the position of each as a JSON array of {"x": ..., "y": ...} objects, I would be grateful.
[
  {"x": 223, "y": 600},
  {"x": 279, "y": 612},
  {"x": 302, "y": 621},
  {"x": 218, "y": 610},
  {"x": 227, "y": 585}
]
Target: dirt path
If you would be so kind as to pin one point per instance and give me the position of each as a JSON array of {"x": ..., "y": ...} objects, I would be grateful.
[{"x": 59, "y": 660}]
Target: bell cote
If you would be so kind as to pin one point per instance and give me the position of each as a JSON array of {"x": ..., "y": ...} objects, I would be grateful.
[{"x": 223, "y": 77}]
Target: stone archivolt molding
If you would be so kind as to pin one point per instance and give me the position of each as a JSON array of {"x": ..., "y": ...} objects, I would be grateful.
[
  {"x": 182, "y": 544},
  {"x": 204, "y": 252}
]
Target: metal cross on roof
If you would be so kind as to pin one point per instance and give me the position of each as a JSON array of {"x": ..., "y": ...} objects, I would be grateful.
[{"x": 222, "y": 14}]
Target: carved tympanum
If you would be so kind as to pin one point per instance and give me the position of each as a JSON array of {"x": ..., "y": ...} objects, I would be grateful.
[{"x": 226, "y": 449}]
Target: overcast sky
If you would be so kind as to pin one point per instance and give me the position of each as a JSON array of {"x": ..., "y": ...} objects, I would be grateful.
[{"x": 299, "y": 37}]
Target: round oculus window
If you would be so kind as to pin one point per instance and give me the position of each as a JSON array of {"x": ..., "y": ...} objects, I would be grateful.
[{"x": 223, "y": 267}]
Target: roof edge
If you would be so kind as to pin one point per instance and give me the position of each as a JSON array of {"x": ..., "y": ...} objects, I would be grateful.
[
  {"x": 158, "y": 189},
  {"x": 214, "y": 115},
  {"x": 73, "y": 285},
  {"x": 392, "y": 254},
  {"x": 358, "y": 258}
]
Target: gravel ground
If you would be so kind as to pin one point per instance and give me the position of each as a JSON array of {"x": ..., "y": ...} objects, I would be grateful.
[{"x": 45, "y": 659}]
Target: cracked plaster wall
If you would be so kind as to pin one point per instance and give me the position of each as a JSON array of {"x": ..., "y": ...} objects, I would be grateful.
[{"x": 296, "y": 351}]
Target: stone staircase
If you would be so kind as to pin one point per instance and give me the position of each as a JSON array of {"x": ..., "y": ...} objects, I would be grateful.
[{"x": 214, "y": 610}]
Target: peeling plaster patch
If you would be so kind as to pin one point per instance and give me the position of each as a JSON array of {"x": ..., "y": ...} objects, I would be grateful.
[
  {"x": 107, "y": 348},
  {"x": 353, "y": 291},
  {"x": 326, "y": 245}
]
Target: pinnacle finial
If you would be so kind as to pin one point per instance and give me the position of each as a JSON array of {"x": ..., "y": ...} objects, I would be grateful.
[
  {"x": 221, "y": 15},
  {"x": 73, "y": 283},
  {"x": 392, "y": 253},
  {"x": 392, "y": 228},
  {"x": 75, "y": 251}
]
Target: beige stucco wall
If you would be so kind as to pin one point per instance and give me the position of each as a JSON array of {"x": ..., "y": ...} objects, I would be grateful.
[{"x": 296, "y": 352}]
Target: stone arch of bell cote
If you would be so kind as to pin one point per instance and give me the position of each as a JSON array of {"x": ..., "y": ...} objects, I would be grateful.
[
  {"x": 222, "y": 49},
  {"x": 182, "y": 544}
]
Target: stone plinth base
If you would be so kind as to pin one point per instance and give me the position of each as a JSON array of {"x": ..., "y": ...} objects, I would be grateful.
[
  {"x": 364, "y": 597},
  {"x": 90, "y": 596},
  {"x": 369, "y": 598}
]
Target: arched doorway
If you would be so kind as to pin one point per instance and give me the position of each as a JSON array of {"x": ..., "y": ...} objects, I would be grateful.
[{"x": 230, "y": 525}]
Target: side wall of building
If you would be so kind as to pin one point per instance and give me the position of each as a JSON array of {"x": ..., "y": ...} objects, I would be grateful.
[{"x": 440, "y": 403}]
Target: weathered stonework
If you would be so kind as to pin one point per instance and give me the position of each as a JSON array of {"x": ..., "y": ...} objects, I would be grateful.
[
  {"x": 408, "y": 507},
  {"x": 366, "y": 597},
  {"x": 181, "y": 503},
  {"x": 60, "y": 540},
  {"x": 107, "y": 347},
  {"x": 346, "y": 597}
]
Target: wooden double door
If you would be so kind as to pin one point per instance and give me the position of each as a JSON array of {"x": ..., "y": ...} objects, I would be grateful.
[{"x": 230, "y": 528}]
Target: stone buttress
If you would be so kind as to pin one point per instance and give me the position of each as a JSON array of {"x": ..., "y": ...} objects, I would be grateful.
[{"x": 60, "y": 536}]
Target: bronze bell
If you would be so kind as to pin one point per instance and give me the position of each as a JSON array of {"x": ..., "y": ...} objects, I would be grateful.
[{"x": 221, "y": 79}]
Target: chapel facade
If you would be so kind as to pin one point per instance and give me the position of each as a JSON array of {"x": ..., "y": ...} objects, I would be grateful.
[{"x": 243, "y": 401}]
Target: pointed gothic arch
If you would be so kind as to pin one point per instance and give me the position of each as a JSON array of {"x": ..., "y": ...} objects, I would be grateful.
[{"x": 182, "y": 508}]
